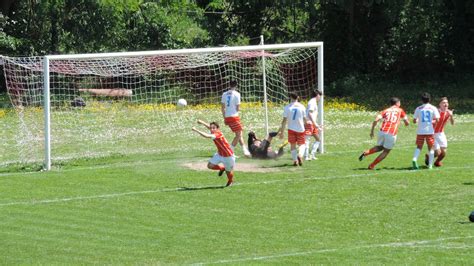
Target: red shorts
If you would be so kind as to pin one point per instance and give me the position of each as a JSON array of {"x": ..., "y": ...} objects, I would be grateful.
[
  {"x": 234, "y": 123},
  {"x": 296, "y": 137},
  {"x": 420, "y": 139},
  {"x": 310, "y": 130}
]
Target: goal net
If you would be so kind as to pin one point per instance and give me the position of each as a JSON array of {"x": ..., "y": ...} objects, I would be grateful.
[{"x": 90, "y": 105}]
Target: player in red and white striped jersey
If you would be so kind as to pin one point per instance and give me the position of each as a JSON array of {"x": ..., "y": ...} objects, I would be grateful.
[
  {"x": 425, "y": 115},
  {"x": 388, "y": 131},
  {"x": 441, "y": 142},
  {"x": 230, "y": 106},
  {"x": 294, "y": 115},
  {"x": 224, "y": 154}
]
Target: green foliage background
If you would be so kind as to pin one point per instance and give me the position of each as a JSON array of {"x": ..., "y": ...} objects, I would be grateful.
[{"x": 395, "y": 42}]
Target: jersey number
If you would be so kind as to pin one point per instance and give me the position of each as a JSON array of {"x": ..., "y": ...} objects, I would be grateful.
[
  {"x": 294, "y": 113},
  {"x": 392, "y": 117},
  {"x": 425, "y": 116}
]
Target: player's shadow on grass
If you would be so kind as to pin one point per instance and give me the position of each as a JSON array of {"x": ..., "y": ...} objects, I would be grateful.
[
  {"x": 468, "y": 183},
  {"x": 199, "y": 188},
  {"x": 384, "y": 168},
  {"x": 278, "y": 165}
]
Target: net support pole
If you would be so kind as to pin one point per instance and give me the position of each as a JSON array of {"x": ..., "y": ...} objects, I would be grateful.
[
  {"x": 47, "y": 116},
  {"x": 265, "y": 98},
  {"x": 321, "y": 88}
]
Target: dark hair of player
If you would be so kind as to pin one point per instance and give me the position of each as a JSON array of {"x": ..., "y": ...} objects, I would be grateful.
[
  {"x": 394, "y": 100},
  {"x": 215, "y": 124},
  {"x": 316, "y": 93},
  {"x": 425, "y": 97},
  {"x": 252, "y": 138},
  {"x": 233, "y": 84},
  {"x": 293, "y": 96}
]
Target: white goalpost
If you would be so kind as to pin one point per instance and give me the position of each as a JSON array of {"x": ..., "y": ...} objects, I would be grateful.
[{"x": 89, "y": 105}]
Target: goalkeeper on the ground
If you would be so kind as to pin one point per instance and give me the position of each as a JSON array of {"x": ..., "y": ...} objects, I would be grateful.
[{"x": 261, "y": 149}]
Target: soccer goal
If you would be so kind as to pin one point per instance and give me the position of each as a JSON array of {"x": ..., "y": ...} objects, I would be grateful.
[{"x": 89, "y": 105}]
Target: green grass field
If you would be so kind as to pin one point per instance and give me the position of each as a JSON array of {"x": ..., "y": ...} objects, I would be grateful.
[{"x": 151, "y": 209}]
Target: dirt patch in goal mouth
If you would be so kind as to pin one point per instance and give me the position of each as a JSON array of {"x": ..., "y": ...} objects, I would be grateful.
[{"x": 239, "y": 167}]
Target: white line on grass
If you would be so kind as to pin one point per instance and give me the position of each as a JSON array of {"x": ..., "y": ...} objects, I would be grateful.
[
  {"x": 417, "y": 243},
  {"x": 288, "y": 180}
]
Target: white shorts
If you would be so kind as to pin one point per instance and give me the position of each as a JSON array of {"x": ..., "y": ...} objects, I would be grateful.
[
  {"x": 440, "y": 141},
  {"x": 228, "y": 162},
  {"x": 386, "y": 140}
]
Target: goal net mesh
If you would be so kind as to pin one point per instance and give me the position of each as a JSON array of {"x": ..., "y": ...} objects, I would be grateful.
[{"x": 127, "y": 105}]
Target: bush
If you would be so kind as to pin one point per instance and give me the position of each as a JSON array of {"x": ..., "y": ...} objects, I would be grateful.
[{"x": 375, "y": 94}]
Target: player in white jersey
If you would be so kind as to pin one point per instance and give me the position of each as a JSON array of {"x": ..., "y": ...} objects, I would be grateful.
[
  {"x": 294, "y": 115},
  {"x": 230, "y": 107},
  {"x": 425, "y": 115},
  {"x": 311, "y": 127}
]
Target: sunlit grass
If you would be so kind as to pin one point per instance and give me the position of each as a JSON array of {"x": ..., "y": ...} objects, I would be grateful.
[{"x": 120, "y": 193}]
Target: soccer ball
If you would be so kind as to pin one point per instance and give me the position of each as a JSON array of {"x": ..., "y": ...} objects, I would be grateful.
[{"x": 182, "y": 103}]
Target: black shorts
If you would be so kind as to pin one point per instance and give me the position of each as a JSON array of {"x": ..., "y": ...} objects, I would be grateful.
[{"x": 262, "y": 151}]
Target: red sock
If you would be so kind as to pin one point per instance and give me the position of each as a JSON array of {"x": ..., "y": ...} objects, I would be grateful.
[
  {"x": 368, "y": 152},
  {"x": 218, "y": 167},
  {"x": 440, "y": 157},
  {"x": 376, "y": 161},
  {"x": 230, "y": 176}
]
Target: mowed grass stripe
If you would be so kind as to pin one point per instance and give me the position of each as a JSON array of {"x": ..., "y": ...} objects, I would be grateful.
[
  {"x": 266, "y": 182},
  {"x": 417, "y": 243}
]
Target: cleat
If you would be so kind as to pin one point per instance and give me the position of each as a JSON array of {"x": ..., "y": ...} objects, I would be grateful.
[
  {"x": 307, "y": 158},
  {"x": 362, "y": 156},
  {"x": 371, "y": 167},
  {"x": 295, "y": 163},
  {"x": 415, "y": 165},
  {"x": 221, "y": 172},
  {"x": 313, "y": 157},
  {"x": 247, "y": 154},
  {"x": 427, "y": 159},
  {"x": 300, "y": 161},
  {"x": 430, "y": 167},
  {"x": 438, "y": 164}
]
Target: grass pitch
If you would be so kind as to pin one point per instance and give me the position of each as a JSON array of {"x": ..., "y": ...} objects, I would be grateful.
[{"x": 151, "y": 209}]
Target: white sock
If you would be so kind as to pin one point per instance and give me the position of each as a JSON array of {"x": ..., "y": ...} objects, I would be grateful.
[
  {"x": 431, "y": 157},
  {"x": 416, "y": 154},
  {"x": 315, "y": 148},
  {"x": 294, "y": 154},
  {"x": 301, "y": 150},
  {"x": 306, "y": 150},
  {"x": 246, "y": 150}
]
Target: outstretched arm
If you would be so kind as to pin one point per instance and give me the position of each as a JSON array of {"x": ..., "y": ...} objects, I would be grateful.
[
  {"x": 405, "y": 120},
  {"x": 374, "y": 123},
  {"x": 282, "y": 127},
  {"x": 203, "y": 123},
  {"x": 206, "y": 135}
]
